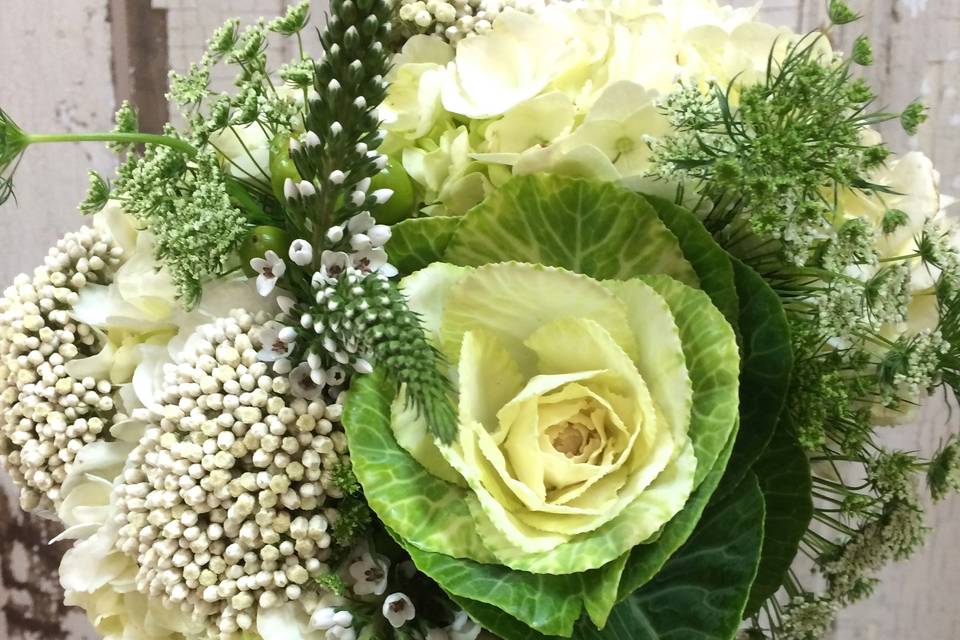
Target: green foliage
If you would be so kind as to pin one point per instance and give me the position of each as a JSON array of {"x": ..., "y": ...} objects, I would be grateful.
[
  {"x": 126, "y": 121},
  {"x": 341, "y": 112},
  {"x": 711, "y": 263},
  {"x": 943, "y": 474},
  {"x": 418, "y": 242},
  {"x": 840, "y": 13},
  {"x": 862, "y": 51},
  {"x": 645, "y": 561},
  {"x": 352, "y": 522},
  {"x": 702, "y": 590},
  {"x": 13, "y": 142},
  {"x": 333, "y": 583},
  {"x": 719, "y": 559},
  {"x": 912, "y": 117},
  {"x": 596, "y": 229},
  {"x": 98, "y": 193},
  {"x": 784, "y": 475},
  {"x": 767, "y": 358}
]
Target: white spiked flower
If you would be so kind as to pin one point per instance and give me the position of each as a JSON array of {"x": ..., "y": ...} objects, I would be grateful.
[
  {"x": 335, "y": 234},
  {"x": 383, "y": 195},
  {"x": 306, "y": 189},
  {"x": 361, "y": 223},
  {"x": 338, "y": 177},
  {"x": 302, "y": 384},
  {"x": 333, "y": 264},
  {"x": 312, "y": 140},
  {"x": 301, "y": 252},
  {"x": 379, "y": 235},
  {"x": 290, "y": 191}
]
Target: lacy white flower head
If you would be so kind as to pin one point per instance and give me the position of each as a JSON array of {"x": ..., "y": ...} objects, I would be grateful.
[
  {"x": 270, "y": 269},
  {"x": 224, "y": 504},
  {"x": 369, "y": 574},
  {"x": 398, "y": 609}
]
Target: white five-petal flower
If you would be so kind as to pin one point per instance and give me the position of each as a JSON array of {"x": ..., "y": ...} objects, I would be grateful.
[
  {"x": 271, "y": 268},
  {"x": 332, "y": 264},
  {"x": 302, "y": 384},
  {"x": 398, "y": 609},
  {"x": 274, "y": 348},
  {"x": 370, "y": 574}
]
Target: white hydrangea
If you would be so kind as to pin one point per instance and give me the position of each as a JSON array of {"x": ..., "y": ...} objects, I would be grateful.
[
  {"x": 572, "y": 88},
  {"x": 223, "y": 503}
]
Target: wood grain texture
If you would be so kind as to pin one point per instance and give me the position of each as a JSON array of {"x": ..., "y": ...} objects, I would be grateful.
[{"x": 56, "y": 77}]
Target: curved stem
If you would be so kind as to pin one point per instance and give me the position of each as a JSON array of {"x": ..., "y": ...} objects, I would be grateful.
[{"x": 134, "y": 138}]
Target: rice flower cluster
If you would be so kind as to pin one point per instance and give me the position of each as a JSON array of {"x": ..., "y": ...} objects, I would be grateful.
[
  {"x": 222, "y": 503},
  {"x": 460, "y": 19},
  {"x": 48, "y": 415}
]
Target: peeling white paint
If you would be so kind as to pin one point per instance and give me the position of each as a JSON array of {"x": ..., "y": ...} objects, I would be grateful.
[{"x": 915, "y": 7}]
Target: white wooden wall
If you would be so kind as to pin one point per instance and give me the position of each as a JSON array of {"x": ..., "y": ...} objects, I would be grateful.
[{"x": 56, "y": 75}]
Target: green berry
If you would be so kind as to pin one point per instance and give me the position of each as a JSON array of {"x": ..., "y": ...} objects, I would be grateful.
[
  {"x": 261, "y": 240},
  {"x": 400, "y": 206},
  {"x": 281, "y": 165}
]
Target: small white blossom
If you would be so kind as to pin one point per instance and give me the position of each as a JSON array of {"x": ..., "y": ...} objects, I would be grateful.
[
  {"x": 370, "y": 574},
  {"x": 301, "y": 252},
  {"x": 332, "y": 264},
  {"x": 271, "y": 268},
  {"x": 306, "y": 189},
  {"x": 398, "y": 609},
  {"x": 302, "y": 384},
  {"x": 361, "y": 223},
  {"x": 335, "y": 234},
  {"x": 379, "y": 235},
  {"x": 290, "y": 190},
  {"x": 274, "y": 348},
  {"x": 383, "y": 195}
]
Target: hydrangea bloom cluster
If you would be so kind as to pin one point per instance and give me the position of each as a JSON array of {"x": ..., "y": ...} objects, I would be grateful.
[
  {"x": 224, "y": 502},
  {"x": 48, "y": 414}
]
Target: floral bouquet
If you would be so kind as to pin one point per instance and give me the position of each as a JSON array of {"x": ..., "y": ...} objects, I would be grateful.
[{"x": 507, "y": 319}]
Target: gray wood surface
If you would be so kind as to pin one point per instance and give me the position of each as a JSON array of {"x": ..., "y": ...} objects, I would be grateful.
[{"x": 59, "y": 59}]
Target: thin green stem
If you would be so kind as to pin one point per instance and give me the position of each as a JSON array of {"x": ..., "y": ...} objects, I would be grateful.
[{"x": 133, "y": 138}]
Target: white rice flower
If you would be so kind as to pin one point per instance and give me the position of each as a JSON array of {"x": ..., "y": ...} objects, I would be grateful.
[
  {"x": 270, "y": 269},
  {"x": 398, "y": 609},
  {"x": 220, "y": 504},
  {"x": 52, "y": 404}
]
